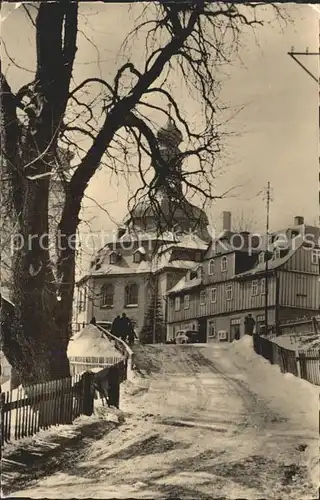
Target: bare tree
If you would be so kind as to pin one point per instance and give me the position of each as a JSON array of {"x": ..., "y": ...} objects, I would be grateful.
[{"x": 191, "y": 39}]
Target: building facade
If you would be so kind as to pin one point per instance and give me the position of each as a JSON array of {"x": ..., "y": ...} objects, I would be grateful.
[
  {"x": 232, "y": 282},
  {"x": 158, "y": 242}
]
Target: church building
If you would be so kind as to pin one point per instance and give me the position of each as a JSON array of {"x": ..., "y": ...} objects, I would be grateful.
[{"x": 159, "y": 241}]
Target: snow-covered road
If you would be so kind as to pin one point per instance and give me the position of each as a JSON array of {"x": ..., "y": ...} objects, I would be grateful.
[{"x": 200, "y": 421}]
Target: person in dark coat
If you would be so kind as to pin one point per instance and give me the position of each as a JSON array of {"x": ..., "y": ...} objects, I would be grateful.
[
  {"x": 116, "y": 325},
  {"x": 237, "y": 334},
  {"x": 249, "y": 324},
  {"x": 93, "y": 321},
  {"x": 125, "y": 327},
  {"x": 132, "y": 335}
]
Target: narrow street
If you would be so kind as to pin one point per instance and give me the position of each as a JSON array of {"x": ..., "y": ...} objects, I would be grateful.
[{"x": 194, "y": 428}]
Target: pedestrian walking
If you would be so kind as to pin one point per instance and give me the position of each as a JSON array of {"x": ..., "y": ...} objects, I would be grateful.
[
  {"x": 249, "y": 324},
  {"x": 93, "y": 321},
  {"x": 132, "y": 335},
  {"x": 125, "y": 327},
  {"x": 116, "y": 325}
]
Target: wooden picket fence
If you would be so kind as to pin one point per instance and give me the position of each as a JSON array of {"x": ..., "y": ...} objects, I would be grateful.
[
  {"x": 304, "y": 364},
  {"x": 25, "y": 411}
]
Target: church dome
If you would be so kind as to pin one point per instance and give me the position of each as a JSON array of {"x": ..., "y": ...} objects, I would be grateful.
[
  {"x": 169, "y": 214},
  {"x": 169, "y": 134}
]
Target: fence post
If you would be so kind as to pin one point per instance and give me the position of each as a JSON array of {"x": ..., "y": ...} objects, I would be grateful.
[
  {"x": 114, "y": 386},
  {"x": 298, "y": 363},
  {"x": 88, "y": 393},
  {"x": 2, "y": 403}
]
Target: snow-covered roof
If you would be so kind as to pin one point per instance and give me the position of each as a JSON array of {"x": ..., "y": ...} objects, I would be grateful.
[
  {"x": 185, "y": 284},
  {"x": 89, "y": 342},
  {"x": 187, "y": 244},
  {"x": 273, "y": 263},
  {"x": 140, "y": 250}
]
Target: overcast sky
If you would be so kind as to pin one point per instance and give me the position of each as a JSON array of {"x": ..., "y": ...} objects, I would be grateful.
[{"x": 276, "y": 134}]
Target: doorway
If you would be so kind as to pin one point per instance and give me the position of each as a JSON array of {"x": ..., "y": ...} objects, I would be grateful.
[
  {"x": 235, "y": 329},
  {"x": 203, "y": 330}
]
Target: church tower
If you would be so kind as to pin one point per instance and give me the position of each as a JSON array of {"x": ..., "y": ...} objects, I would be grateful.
[{"x": 166, "y": 207}]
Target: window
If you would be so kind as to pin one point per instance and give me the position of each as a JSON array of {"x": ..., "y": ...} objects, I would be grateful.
[
  {"x": 254, "y": 288},
  {"x": 211, "y": 328},
  {"x": 177, "y": 304},
  {"x": 224, "y": 264},
  {"x": 213, "y": 293},
  {"x": 114, "y": 257},
  {"x": 82, "y": 303},
  {"x": 222, "y": 335},
  {"x": 276, "y": 254},
  {"x": 229, "y": 292},
  {"x": 261, "y": 258},
  {"x": 131, "y": 295},
  {"x": 186, "y": 301},
  {"x": 202, "y": 297},
  {"x": 211, "y": 266},
  {"x": 137, "y": 257},
  {"x": 198, "y": 256},
  {"x": 263, "y": 286},
  {"x": 200, "y": 272},
  {"x": 315, "y": 256},
  {"x": 107, "y": 292}
]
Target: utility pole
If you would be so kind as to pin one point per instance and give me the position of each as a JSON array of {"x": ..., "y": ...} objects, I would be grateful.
[
  {"x": 296, "y": 56},
  {"x": 268, "y": 200}
]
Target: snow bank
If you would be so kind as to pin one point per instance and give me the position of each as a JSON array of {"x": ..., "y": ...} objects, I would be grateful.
[
  {"x": 90, "y": 342},
  {"x": 290, "y": 395},
  {"x": 283, "y": 388},
  {"x": 298, "y": 341}
]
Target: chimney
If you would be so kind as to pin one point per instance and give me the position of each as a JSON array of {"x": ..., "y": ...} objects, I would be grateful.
[
  {"x": 298, "y": 220},
  {"x": 226, "y": 221}
]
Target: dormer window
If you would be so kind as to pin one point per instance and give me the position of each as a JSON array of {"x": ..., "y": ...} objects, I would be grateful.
[
  {"x": 114, "y": 257},
  {"x": 138, "y": 255},
  {"x": 261, "y": 258},
  {"x": 96, "y": 263},
  {"x": 192, "y": 274},
  {"x": 200, "y": 272},
  {"x": 198, "y": 256}
]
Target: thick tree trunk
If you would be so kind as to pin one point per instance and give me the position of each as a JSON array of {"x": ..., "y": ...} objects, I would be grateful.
[{"x": 37, "y": 344}]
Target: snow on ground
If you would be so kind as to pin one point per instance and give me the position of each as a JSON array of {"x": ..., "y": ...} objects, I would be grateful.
[
  {"x": 90, "y": 342},
  {"x": 298, "y": 341},
  {"x": 200, "y": 422},
  {"x": 17, "y": 394}
]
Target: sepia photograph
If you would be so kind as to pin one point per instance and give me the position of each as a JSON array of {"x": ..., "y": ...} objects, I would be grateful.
[{"x": 160, "y": 249}]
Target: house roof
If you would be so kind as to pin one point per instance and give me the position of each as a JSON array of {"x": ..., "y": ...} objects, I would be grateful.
[
  {"x": 233, "y": 241},
  {"x": 274, "y": 263},
  {"x": 158, "y": 263},
  {"x": 184, "y": 284}
]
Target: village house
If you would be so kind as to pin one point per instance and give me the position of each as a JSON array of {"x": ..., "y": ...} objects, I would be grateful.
[{"x": 230, "y": 283}]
